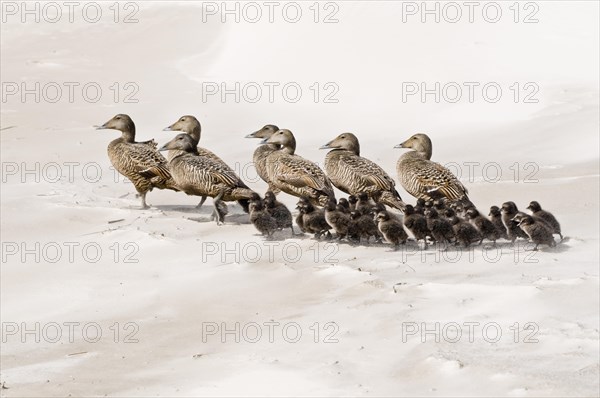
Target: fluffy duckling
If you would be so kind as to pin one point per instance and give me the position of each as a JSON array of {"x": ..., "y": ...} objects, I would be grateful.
[
  {"x": 354, "y": 174},
  {"x": 278, "y": 211},
  {"x": 313, "y": 219},
  {"x": 416, "y": 224},
  {"x": 538, "y": 232},
  {"x": 363, "y": 226},
  {"x": 548, "y": 217},
  {"x": 338, "y": 220},
  {"x": 364, "y": 204},
  {"x": 464, "y": 232},
  {"x": 513, "y": 231},
  {"x": 345, "y": 205},
  {"x": 441, "y": 229},
  {"x": 496, "y": 219},
  {"x": 423, "y": 178},
  {"x": 129, "y": 158},
  {"x": 294, "y": 174},
  {"x": 485, "y": 227},
  {"x": 261, "y": 219},
  {"x": 352, "y": 200},
  {"x": 391, "y": 229}
]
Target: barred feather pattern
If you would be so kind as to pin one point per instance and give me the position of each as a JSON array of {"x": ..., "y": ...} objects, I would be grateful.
[
  {"x": 299, "y": 177},
  {"x": 354, "y": 174},
  {"x": 130, "y": 158},
  {"x": 428, "y": 180}
]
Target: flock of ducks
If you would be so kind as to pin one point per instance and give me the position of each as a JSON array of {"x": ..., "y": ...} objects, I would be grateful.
[{"x": 443, "y": 213}]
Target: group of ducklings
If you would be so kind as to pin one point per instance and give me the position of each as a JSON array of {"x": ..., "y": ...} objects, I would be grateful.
[
  {"x": 443, "y": 213},
  {"x": 357, "y": 219}
]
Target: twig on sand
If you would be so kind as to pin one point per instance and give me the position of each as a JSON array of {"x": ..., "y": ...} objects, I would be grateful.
[
  {"x": 114, "y": 221},
  {"x": 77, "y": 353}
]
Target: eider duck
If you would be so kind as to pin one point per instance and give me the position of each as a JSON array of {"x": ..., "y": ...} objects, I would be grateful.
[
  {"x": 261, "y": 219},
  {"x": 423, "y": 178},
  {"x": 538, "y": 232},
  {"x": 440, "y": 227},
  {"x": 363, "y": 226},
  {"x": 496, "y": 218},
  {"x": 391, "y": 229},
  {"x": 354, "y": 174},
  {"x": 486, "y": 228},
  {"x": 416, "y": 224},
  {"x": 260, "y": 154},
  {"x": 129, "y": 158},
  {"x": 337, "y": 219},
  {"x": 513, "y": 231},
  {"x": 464, "y": 232},
  {"x": 190, "y": 125},
  {"x": 313, "y": 219},
  {"x": 548, "y": 217},
  {"x": 294, "y": 174},
  {"x": 279, "y": 211},
  {"x": 200, "y": 176}
]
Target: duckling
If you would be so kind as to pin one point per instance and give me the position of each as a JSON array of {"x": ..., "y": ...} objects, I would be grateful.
[
  {"x": 440, "y": 205},
  {"x": 354, "y": 174},
  {"x": 200, "y": 176},
  {"x": 485, "y": 227},
  {"x": 391, "y": 229},
  {"x": 548, "y": 217},
  {"x": 513, "y": 231},
  {"x": 352, "y": 200},
  {"x": 263, "y": 151},
  {"x": 278, "y": 211},
  {"x": 496, "y": 218},
  {"x": 129, "y": 157},
  {"x": 440, "y": 228},
  {"x": 416, "y": 224},
  {"x": 364, "y": 204},
  {"x": 295, "y": 175},
  {"x": 338, "y": 220},
  {"x": 345, "y": 205},
  {"x": 261, "y": 219},
  {"x": 363, "y": 226},
  {"x": 537, "y": 232},
  {"x": 313, "y": 219},
  {"x": 464, "y": 232},
  {"x": 420, "y": 206}
]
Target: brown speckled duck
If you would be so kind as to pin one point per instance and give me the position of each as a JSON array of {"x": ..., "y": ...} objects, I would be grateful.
[
  {"x": 260, "y": 154},
  {"x": 129, "y": 158},
  {"x": 354, "y": 174},
  {"x": 294, "y": 174},
  {"x": 423, "y": 178}
]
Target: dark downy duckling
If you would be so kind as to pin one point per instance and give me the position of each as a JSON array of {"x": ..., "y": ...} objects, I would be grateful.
[
  {"x": 338, "y": 220},
  {"x": 416, "y": 224},
  {"x": 391, "y": 229},
  {"x": 345, "y": 205},
  {"x": 538, "y": 232},
  {"x": 352, "y": 200},
  {"x": 548, "y": 217},
  {"x": 278, "y": 211},
  {"x": 261, "y": 219},
  {"x": 513, "y": 231},
  {"x": 496, "y": 219},
  {"x": 485, "y": 227},
  {"x": 441, "y": 229},
  {"x": 313, "y": 219},
  {"x": 363, "y": 226},
  {"x": 464, "y": 232},
  {"x": 420, "y": 206},
  {"x": 364, "y": 204},
  {"x": 129, "y": 157}
]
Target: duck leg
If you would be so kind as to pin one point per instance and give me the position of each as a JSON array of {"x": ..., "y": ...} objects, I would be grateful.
[
  {"x": 201, "y": 202},
  {"x": 218, "y": 212},
  {"x": 144, "y": 204}
]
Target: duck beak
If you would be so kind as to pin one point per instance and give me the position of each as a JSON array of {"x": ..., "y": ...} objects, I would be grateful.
[
  {"x": 251, "y": 135},
  {"x": 265, "y": 141},
  {"x": 326, "y": 146},
  {"x": 164, "y": 148},
  {"x": 103, "y": 127},
  {"x": 401, "y": 145},
  {"x": 170, "y": 128}
]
